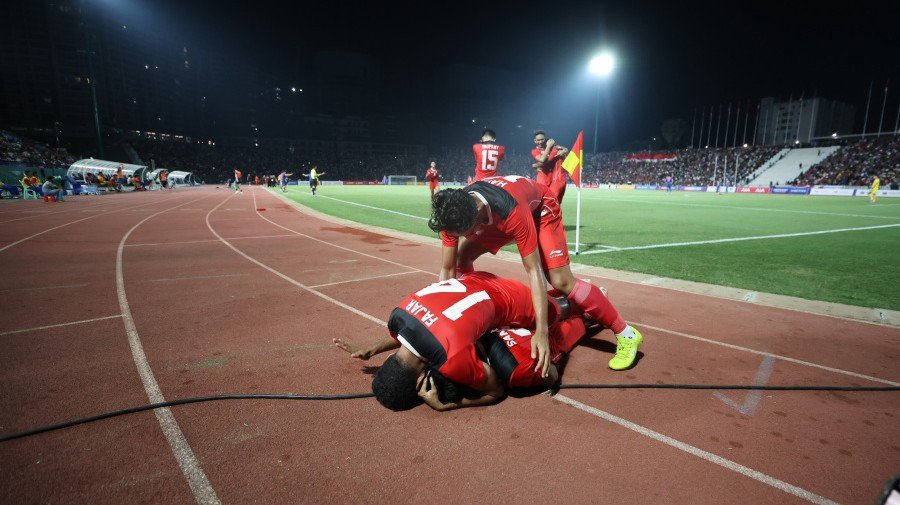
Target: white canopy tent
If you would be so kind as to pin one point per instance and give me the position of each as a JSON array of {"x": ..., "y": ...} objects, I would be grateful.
[
  {"x": 180, "y": 178},
  {"x": 107, "y": 168},
  {"x": 151, "y": 175}
]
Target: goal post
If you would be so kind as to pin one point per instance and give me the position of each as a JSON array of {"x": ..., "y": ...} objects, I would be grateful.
[{"x": 402, "y": 180}]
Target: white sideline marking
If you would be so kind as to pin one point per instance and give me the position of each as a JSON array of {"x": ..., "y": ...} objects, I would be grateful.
[
  {"x": 741, "y": 239},
  {"x": 653, "y": 281},
  {"x": 700, "y": 453},
  {"x": 168, "y": 279},
  {"x": 364, "y": 279},
  {"x": 763, "y": 353},
  {"x": 65, "y": 224},
  {"x": 190, "y": 466},
  {"x": 335, "y": 245},
  {"x": 140, "y": 244},
  {"x": 61, "y": 324},
  {"x": 726, "y": 207},
  {"x": 285, "y": 277},
  {"x": 372, "y": 207}
]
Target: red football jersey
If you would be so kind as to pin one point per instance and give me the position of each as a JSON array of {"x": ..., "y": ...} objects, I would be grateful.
[
  {"x": 487, "y": 158},
  {"x": 536, "y": 153},
  {"x": 431, "y": 174},
  {"x": 441, "y": 322},
  {"x": 514, "y": 206}
]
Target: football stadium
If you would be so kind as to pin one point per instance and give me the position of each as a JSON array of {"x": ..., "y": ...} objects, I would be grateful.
[{"x": 336, "y": 253}]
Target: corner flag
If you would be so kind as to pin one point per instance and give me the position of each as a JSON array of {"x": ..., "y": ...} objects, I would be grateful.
[{"x": 575, "y": 160}]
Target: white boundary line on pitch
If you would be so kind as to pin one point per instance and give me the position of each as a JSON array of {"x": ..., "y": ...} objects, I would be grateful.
[
  {"x": 727, "y": 207},
  {"x": 739, "y": 239},
  {"x": 142, "y": 244},
  {"x": 700, "y": 453},
  {"x": 61, "y": 324},
  {"x": 335, "y": 245},
  {"x": 67, "y": 224},
  {"x": 365, "y": 279},
  {"x": 373, "y": 207},
  {"x": 190, "y": 466},
  {"x": 725, "y": 463},
  {"x": 772, "y": 355}
]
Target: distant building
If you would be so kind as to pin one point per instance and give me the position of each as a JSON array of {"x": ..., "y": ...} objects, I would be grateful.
[{"x": 787, "y": 122}]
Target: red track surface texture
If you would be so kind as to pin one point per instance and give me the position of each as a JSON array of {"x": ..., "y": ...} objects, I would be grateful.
[{"x": 111, "y": 302}]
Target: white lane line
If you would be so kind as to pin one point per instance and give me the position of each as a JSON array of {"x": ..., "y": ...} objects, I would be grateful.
[
  {"x": 653, "y": 281},
  {"x": 142, "y": 244},
  {"x": 372, "y": 207},
  {"x": 285, "y": 277},
  {"x": 190, "y": 466},
  {"x": 67, "y": 224},
  {"x": 627, "y": 424},
  {"x": 61, "y": 324},
  {"x": 170, "y": 279},
  {"x": 364, "y": 279},
  {"x": 742, "y": 239},
  {"x": 41, "y": 288},
  {"x": 729, "y": 207},
  {"x": 773, "y": 355},
  {"x": 90, "y": 208},
  {"x": 700, "y": 453},
  {"x": 335, "y": 245}
]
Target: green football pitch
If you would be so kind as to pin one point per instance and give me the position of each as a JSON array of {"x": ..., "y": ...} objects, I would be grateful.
[{"x": 839, "y": 249}]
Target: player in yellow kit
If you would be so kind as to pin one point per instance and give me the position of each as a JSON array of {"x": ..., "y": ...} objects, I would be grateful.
[{"x": 873, "y": 193}]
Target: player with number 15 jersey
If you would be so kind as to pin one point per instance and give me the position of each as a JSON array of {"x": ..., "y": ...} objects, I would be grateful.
[{"x": 488, "y": 155}]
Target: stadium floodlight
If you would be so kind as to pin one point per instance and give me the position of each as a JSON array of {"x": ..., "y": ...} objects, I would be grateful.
[
  {"x": 293, "y": 89},
  {"x": 745, "y": 145},
  {"x": 601, "y": 65},
  {"x": 834, "y": 135}
]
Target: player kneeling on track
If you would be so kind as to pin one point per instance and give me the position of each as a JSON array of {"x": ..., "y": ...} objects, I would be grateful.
[{"x": 436, "y": 329}]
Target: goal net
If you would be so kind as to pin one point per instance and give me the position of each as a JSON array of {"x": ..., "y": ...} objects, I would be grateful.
[{"x": 401, "y": 180}]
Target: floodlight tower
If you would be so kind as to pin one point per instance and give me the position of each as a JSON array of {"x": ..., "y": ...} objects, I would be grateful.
[{"x": 602, "y": 66}]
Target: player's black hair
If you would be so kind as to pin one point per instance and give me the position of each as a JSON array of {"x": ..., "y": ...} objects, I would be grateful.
[
  {"x": 489, "y": 132},
  {"x": 539, "y": 132},
  {"x": 452, "y": 210},
  {"x": 394, "y": 385}
]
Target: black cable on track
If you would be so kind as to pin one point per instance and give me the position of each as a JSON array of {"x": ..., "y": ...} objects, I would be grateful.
[{"x": 352, "y": 396}]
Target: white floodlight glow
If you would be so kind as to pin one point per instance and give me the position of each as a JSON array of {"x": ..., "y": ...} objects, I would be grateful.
[{"x": 602, "y": 64}]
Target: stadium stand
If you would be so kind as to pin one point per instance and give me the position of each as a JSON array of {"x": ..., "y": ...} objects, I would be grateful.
[{"x": 856, "y": 163}]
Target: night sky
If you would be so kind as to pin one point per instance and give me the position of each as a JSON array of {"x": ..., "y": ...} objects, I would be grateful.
[{"x": 671, "y": 58}]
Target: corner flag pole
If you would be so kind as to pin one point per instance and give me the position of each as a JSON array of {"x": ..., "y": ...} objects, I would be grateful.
[{"x": 574, "y": 164}]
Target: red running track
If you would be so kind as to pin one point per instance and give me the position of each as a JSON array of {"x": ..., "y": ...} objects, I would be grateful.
[{"x": 218, "y": 297}]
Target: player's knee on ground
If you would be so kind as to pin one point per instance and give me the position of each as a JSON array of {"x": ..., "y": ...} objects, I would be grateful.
[{"x": 394, "y": 385}]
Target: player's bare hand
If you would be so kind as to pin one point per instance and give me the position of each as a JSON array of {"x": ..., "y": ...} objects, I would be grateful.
[
  {"x": 355, "y": 352},
  {"x": 550, "y": 143},
  {"x": 429, "y": 394},
  {"x": 540, "y": 351}
]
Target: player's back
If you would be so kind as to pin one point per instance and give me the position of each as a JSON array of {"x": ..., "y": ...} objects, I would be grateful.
[
  {"x": 487, "y": 159},
  {"x": 505, "y": 193}
]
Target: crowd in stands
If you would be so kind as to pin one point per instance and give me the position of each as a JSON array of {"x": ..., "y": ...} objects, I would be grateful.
[
  {"x": 857, "y": 164},
  {"x": 36, "y": 154},
  {"x": 853, "y": 164}
]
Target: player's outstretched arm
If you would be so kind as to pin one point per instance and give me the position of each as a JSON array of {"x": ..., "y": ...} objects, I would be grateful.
[
  {"x": 540, "y": 342},
  {"x": 448, "y": 263},
  {"x": 388, "y": 344},
  {"x": 488, "y": 393}
]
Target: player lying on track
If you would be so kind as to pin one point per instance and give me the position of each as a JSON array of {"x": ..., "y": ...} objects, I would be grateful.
[
  {"x": 486, "y": 215},
  {"x": 435, "y": 331}
]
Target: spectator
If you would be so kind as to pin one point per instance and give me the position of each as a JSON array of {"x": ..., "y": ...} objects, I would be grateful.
[{"x": 51, "y": 189}]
